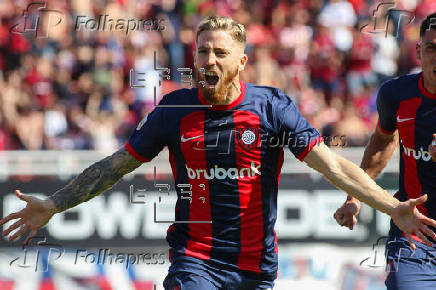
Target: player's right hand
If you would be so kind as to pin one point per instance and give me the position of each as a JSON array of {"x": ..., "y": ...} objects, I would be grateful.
[
  {"x": 35, "y": 215},
  {"x": 346, "y": 215}
]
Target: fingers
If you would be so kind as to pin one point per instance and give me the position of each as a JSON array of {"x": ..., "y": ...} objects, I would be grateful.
[
  {"x": 428, "y": 232},
  {"x": 12, "y": 216},
  {"x": 345, "y": 219},
  {"x": 12, "y": 227},
  {"x": 412, "y": 244},
  {"x": 419, "y": 200},
  {"x": 339, "y": 217},
  {"x": 429, "y": 221},
  {"x": 424, "y": 239},
  {"x": 21, "y": 196},
  {"x": 19, "y": 233},
  {"x": 29, "y": 237},
  {"x": 353, "y": 223}
]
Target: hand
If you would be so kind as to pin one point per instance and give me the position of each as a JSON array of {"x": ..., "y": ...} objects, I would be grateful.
[
  {"x": 346, "y": 215},
  {"x": 432, "y": 148},
  {"x": 410, "y": 221},
  {"x": 35, "y": 215}
]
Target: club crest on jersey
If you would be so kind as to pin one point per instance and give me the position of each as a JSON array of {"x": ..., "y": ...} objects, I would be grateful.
[{"x": 247, "y": 137}]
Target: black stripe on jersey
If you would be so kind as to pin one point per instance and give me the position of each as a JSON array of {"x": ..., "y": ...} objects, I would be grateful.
[{"x": 219, "y": 144}]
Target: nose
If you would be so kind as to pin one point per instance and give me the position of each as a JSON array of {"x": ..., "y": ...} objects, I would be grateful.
[{"x": 210, "y": 59}]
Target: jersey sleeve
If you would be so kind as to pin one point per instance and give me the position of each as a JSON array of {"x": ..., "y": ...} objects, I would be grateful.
[
  {"x": 148, "y": 138},
  {"x": 292, "y": 127},
  {"x": 386, "y": 110}
]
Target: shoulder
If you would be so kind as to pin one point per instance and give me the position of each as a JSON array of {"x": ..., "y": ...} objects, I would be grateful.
[
  {"x": 400, "y": 83},
  {"x": 399, "y": 88},
  {"x": 179, "y": 97},
  {"x": 267, "y": 94}
]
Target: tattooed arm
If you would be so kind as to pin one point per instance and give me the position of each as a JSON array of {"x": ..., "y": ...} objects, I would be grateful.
[
  {"x": 91, "y": 182},
  {"x": 94, "y": 180}
]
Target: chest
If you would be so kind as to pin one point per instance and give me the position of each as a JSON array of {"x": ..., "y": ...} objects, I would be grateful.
[
  {"x": 416, "y": 122},
  {"x": 206, "y": 138}
]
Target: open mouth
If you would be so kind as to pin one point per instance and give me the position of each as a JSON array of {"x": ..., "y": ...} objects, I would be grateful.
[{"x": 211, "y": 78}]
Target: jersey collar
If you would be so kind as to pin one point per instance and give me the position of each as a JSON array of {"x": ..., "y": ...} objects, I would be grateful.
[
  {"x": 424, "y": 90},
  {"x": 228, "y": 106}
]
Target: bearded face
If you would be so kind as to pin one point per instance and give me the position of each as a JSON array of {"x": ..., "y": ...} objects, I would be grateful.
[
  {"x": 218, "y": 60},
  {"x": 215, "y": 85}
]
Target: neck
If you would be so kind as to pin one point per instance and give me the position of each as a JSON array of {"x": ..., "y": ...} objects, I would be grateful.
[
  {"x": 233, "y": 91},
  {"x": 429, "y": 86}
]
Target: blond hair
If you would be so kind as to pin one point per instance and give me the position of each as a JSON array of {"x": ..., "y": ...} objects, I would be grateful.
[{"x": 216, "y": 22}]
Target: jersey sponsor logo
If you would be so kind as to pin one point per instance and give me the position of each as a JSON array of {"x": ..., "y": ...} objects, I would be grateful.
[
  {"x": 222, "y": 173},
  {"x": 183, "y": 139},
  {"x": 399, "y": 120},
  {"x": 417, "y": 154},
  {"x": 142, "y": 123}
]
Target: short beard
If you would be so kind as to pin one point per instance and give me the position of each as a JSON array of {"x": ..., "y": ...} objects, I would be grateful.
[{"x": 221, "y": 94}]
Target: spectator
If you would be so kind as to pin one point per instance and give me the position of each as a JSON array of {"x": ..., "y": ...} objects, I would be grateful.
[{"x": 72, "y": 90}]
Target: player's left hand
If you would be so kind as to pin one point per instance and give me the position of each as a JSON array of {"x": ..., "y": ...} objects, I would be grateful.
[
  {"x": 412, "y": 222},
  {"x": 346, "y": 215},
  {"x": 432, "y": 148}
]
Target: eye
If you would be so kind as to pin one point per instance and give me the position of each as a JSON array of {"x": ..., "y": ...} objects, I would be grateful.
[{"x": 430, "y": 48}]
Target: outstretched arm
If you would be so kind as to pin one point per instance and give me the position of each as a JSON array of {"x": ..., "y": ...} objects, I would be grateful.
[
  {"x": 377, "y": 154},
  {"x": 91, "y": 182},
  {"x": 353, "y": 180},
  {"x": 94, "y": 180}
]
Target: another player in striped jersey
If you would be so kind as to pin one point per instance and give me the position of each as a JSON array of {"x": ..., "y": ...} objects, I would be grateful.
[{"x": 407, "y": 112}]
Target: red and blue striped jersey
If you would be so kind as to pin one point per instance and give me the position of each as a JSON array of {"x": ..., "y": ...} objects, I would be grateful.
[
  {"x": 231, "y": 157},
  {"x": 405, "y": 105}
]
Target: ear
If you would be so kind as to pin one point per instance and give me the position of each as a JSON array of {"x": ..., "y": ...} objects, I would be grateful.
[
  {"x": 418, "y": 51},
  {"x": 242, "y": 62}
]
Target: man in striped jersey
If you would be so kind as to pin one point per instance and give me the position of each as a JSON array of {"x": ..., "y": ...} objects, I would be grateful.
[
  {"x": 218, "y": 136},
  {"x": 406, "y": 104}
]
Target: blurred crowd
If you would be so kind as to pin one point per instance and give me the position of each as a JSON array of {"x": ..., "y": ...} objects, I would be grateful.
[{"x": 72, "y": 89}]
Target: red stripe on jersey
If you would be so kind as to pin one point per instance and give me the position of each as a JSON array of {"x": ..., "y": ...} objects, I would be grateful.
[
  {"x": 407, "y": 112},
  {"x": 318, "y": 140},
  {"x": 193, "y": 150},
  {"x": 132, "y": 152},
  {"x": 248, "y": 154}
]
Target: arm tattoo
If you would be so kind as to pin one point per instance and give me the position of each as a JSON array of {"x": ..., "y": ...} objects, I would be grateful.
[{"x": 95, "y": 179}]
